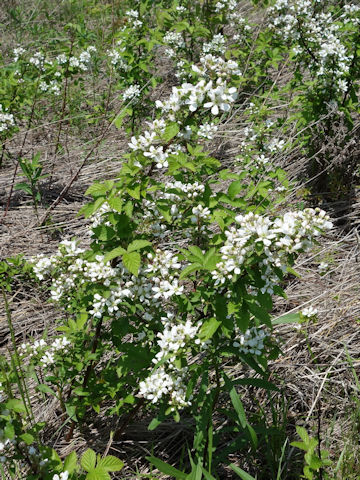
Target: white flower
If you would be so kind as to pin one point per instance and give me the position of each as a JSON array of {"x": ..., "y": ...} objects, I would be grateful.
[
  {"x": 323, "y": 266},
  {"x": 309, "y": 312},
  {"x": 62, "y": 476},
  {"x": 18, "y": 52},
  {"x": 207, "y": 130},
  {"x": 132, "y": 92},
  {"x": 220, "y": 98}
]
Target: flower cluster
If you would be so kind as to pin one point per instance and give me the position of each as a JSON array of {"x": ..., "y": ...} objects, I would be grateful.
[
  {"x": 207, "y": 130},
  {"x": 18, "y": 52},
  {"x": 62, "y": 476},
  {"x": 292, "y": 233},
  {"x": 162, "y": 384},
  {"x": 173, "y": 338},
  {"x": 216, "y": 46},
  {"x": 216, "y": 67},
  {"x": 83, "y": 61},
  {"x": 252, "y": 341},
  {"x": 230, "y": 8},
  {"x": 6, "y": 120},
  {"x": 175, "y": 42},
  {"x": 52, "y": 87},
  {"x": 131, "y": 92},
  {"x": 318, "y": 37},
  {"x": 133, "y": 18},
  {"x": 45, "y": 352},
  {"x": 117, "y": 60}
]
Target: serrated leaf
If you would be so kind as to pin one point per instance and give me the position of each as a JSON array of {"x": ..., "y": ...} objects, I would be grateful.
[
  {"x": 197, "y": 252},
  {"x": 210, "y": 259},
  {"x": 117, "y": 252},
  {"x": 97, "y": 189},
  {"x": 313, "y": 460},
  {"x": 104, "y": 233},
  {"x": 98, "y": 474},
  {"x": 138, "y": 245},
  {"x": 134, "y": 192},
  {"x": 170, "y": 132},
  {"x": 111, "y": 464},
  {"x": 209, "y": 328},
  {"x": 88, "y": 460},
  {"x": 259, "y": 313},
  {"x": 26, "y": 437},
  {"x": 300, "y": 445},
  {"x": 189, "y": 269},
  {"x": 70, "y": 462},
  {"x": 235, "y": 188},
  {"x": 132, "y": 262},
  {"x": 116, "y": 204},
  {"x": 303, "y": 434}
]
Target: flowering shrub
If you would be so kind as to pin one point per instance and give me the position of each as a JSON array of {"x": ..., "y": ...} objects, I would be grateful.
[{"x": 179, "y": 269}]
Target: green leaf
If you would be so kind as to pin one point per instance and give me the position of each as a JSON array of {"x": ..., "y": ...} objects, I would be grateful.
[
  {"x": 97, "y": 189},
  {"x": 15, "y": 405},
  {"x": 211, "y": 259},
  {"x": 111, "y": 464},
  {"x": 104, "y": 233},
  {"x": 238, "y": 406},
  {"x": 167, "y": 469},
  {"x": 132, "y": 262},
  {"x": 235, "y": 188},
  {"x": 71, "y": 410},
  {"x": 287, "y": 318},
  {"x": 303, "y": 435},
  {"x": 134, "y": 192},
  {"x": 170, "y": 132},
  {"x": 155, "y": 422},
  {"x": 313, "y": 461},
  {"x": 88, "y": 460},
  {"x": 220, "y": 307},
  {"x": 24, "y": 187},
  {"x": 293, "y": 272},
  {"x": 138, "y": 245},
  {"x": 117, "y": 252},
  {"x": 45, "y": 389},
  {"x": 300, "y": 445},
  {"x": 98, "y": 474},
  {"x": 253, "y": 436},
  {"x": 259, "y": 313},
  {"x": 209, "y": 328},
  {"x": 115, "y": 203},
  {"x": 243, "y": 475},
  {"x": 189, "y": 269},
  {"x": 197, "y": 252},
  {"x": 207, "y": 475},
  {"x": 27, "y": 438},
  {"x": 70, "y": 462}
]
